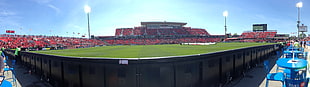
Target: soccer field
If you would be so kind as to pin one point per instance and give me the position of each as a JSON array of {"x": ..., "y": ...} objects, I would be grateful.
[{"x": 142, "y": 51}]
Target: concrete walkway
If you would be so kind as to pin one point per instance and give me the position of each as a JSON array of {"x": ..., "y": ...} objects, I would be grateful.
[
  {"x": 24, "y": 78},
  {"x": 256, "y": 77}
]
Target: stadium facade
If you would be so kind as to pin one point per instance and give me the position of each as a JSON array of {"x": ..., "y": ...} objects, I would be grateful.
[{"x": 150, "y": 33}]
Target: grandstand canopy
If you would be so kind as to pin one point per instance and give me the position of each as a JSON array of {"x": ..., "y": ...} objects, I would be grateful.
[
  {"x": 175, "y": 23},
  {"x": 161, "y": 25}
]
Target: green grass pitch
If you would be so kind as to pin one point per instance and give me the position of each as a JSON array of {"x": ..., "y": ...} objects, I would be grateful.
[{"x": 143, "y": 51}]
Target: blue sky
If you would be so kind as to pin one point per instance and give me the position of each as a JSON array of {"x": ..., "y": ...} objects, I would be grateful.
[{"x": 57, "y": 17}]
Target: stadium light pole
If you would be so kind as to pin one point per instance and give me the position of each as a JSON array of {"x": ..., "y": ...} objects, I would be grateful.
[
  {"x": 298, "y": 5},
  {"x": 87, "y": 10},
  {"x": 225, "y": 14}
]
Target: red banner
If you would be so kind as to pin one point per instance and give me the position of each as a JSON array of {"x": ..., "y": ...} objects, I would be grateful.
[{"x": 10, "y": 31}]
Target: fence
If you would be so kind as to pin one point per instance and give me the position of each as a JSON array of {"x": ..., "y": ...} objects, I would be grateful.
[{"x": 204, "y": 70}]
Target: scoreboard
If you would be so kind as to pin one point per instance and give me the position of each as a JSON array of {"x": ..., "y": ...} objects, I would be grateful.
[{"x": 259, "y": 27}]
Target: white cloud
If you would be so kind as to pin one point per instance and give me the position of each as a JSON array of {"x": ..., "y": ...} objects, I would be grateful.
[
  {"x": 7, "y": 13},
  {"x": 47, "y": 3},
  {"x": 4, "y": 8},
  {"x": 9, "y": 19},
  {"x": 260, "y": 17},
  {"x": 10, "y": 22},
  {"x": 54, "y": 8},
  {"x": 73, "y": 26},
  {"x": 78, "y": 27},
  {"x": 42, "y": 1}
]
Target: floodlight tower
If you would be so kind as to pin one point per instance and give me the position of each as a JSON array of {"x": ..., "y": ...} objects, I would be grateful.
[
  {"x": 87, "y": 10},
  {"x": 298, "y": 5},
  {"x": 225, "y": 14}
]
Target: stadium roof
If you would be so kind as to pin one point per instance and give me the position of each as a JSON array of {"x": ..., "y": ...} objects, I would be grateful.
[{"x": 180, "y": 23}]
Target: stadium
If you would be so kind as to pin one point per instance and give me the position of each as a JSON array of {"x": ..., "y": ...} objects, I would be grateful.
[
  {"x": 149, "y": 33},
  {"x": 154, "y": 43},
  {"x": 155, "y": 54}
]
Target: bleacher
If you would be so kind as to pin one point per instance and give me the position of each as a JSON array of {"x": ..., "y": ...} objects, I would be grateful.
[
  {"x": 247, "y": 35},
  {"x": 127, "y": 31},
  {"x": 152, "y": 32},
  {"x": 28, "y": 41},
  {"x": 181, "y": 32},
  {"x": 258, "y": 36},
  {"x": 138, "y": 31},
  {"x": 160, "y": 33},
  {"x": 118, "y": 32},
  {"x": 153, "y": 41},
  {"x": 201, "y": 32}
]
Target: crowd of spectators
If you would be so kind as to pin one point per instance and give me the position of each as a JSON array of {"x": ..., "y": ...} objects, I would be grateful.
[
  {"x": 132, "y": 36},
  {"x": 258, "y": 35},
  {"x": 39, "y": 42},
  {"x": 32, "y": 41},
  {"x": 267, "y": 36},
  {"x": 138, "y": 31},
  {"x": 153, "y": 41}
]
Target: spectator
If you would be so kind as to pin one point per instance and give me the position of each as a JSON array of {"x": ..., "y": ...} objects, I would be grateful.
[
  {"x": 17, "y": 54},
  {"x": 296, "y": 44},
  {"x": 2, "y": 49},
  {"x": 304, "y": 44},
  {"x": 2, "y": 58}
]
